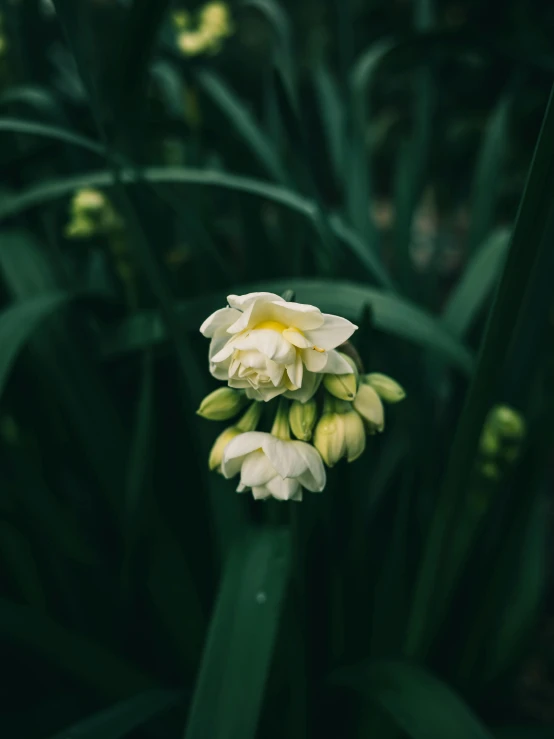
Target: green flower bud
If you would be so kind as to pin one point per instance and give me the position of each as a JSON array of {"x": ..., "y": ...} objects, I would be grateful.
[
  {"x": 386, "y": 388},
  {"x": 216, "y": 454},
  {"x": 489, "y": 443},
  {"x": 507, "y": 421},
  {"x": 222, "y": 404},
  {"x": 280, "y": 427},
  {"x": 369, "y": 406},
  {"x": 302, "y": 418},
  {"x": 354, "y": 435},
  {"x": 343, "y": 387},
  {"x": 329, "y": 438}
]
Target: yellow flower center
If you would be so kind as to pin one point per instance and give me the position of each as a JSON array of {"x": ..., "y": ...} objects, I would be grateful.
[{"x": 273, "y": 325}]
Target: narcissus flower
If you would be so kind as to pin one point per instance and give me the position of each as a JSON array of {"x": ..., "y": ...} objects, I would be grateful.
[
  {"x": 267, "y": 346},
  {"x": 273, "y": 467}
]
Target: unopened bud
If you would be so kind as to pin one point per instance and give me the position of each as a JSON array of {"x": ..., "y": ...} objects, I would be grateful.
[
  {"x": 222, "y": 404},
  {"x": 507, "y": 422},
  {"x": 345, "y": 386},
  {"x": 216, "y": 454},
  {"x": 329, "y": 438},
  {"x": 369, "y": 406},
  {"x": 302, "y": 418},
  {"x": 89, "y": 201},
  {"x": 386, "y": 388},
  {"x": 489, "y": 443},
  {"x": 354, "y": 435}
]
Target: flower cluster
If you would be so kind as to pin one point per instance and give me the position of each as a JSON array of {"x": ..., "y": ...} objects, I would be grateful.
[
  {"x": 206, "y": 36},
  {"x": 267, "y": 348}
]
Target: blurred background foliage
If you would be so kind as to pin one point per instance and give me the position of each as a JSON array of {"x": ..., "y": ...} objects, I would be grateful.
[{"x": 376, "y": 158}]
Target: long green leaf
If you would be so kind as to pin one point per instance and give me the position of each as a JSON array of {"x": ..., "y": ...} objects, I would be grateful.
[
  {"x": 420, "y": 704},
  {"x": 477, "y": 282},
  {"x": 331, "y": 110},
  {"x": 43, "y": 130},
  {"x": 488, "y": 175},
  {"x": 46, "y": 192},
  {"x": 390, "y": 313},
  {"x": 121, "y": 719},
  {"x": 241, "y": 638},
  {"x": 90, "y": 663},
  {"x": 243, "y": 122},
  {"x": 529, "y": 241},
  {"x": 19, "y": 322}
]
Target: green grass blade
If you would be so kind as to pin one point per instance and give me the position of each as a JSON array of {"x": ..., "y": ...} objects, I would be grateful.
[
  {"x": 91, "y": 664},
  {"x": 391, "y": 314},
  {"x": 243, "y": 122},
  {"x": 419, "y": 703},
  {"x": 534, "y": 220},
  {"x": 120, "y": 720},
  {"x": 332, "y": 115},
  {"x": 239, "y": 647},
  {"x": 46, "y": 192},
  {"x": 476, "y": 284},
  {"x": 43, "y": 130},
  {"x": 488, "y": 175},
  {"x": 19, "y": 322}
]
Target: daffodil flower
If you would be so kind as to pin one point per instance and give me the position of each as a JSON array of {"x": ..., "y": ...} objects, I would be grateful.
[
  {"x": 269, "y": 347},
  {"x": 273, "y": 467}
]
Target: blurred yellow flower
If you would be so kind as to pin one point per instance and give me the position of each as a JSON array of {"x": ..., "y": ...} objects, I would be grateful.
[{"x": 213, "y": 26}]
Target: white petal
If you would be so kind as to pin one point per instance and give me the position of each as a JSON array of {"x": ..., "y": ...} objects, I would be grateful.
[
  {"x": 284, "y": 457},
  {"x": 261, "y": 492},
  {"x": 336, "y": 364},
  {"x": 335, "y": 331},
  {"x": 283, "y": 489},
  {"x": 297, "y": 338},
  {"x": 310, "y": 383},
  {"x": 224, "y": 353},
  {"x": 220, "y": 320},
  {"x": 297, "y": 315},
  {"x": 314, "y": 478},
  {"x": 297, "y": 497},
  {"x": 314, "y": 361},
  {"x": 256, "y": 470},
  {"x": 221, "y": 370},
  {"x": 269, "y": 342},
  {"x": 239, "y": 384},
  {"x": 275, "y": 371},
  {"x": 243, "y": 301},
  {"x": 238, "y": 448},
  {"x": 295, "y": 371},
  {"x": 241, "y": 488}
]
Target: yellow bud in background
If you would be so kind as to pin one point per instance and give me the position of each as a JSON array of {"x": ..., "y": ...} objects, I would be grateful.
[
  {"x": 222, "y": 404},
  {"x": 386, "y": 388},
  {"x": 489, "y": 442},
  {"x": 89, "y": 201},
  {"x": 192, "y": 43},
  {"x": 343, "y": 387},
  {"x": 302, "y": 418},
  {"x": 354, "y": 435},
  {"x": 329, "y": 438},
  {"x": 368, "y": 404},
  {"x": 215, "y": 17},
  {"x": 507, "y": 422},
  {"x": 216, "y": 454}
]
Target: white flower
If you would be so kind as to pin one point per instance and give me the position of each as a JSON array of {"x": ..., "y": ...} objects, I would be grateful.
[
  {"x": 273, "y": 467},
  {"x": 268, "y": 346}
]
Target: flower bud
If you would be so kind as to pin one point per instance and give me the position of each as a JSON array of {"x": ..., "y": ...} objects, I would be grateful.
[
  {"x": 368, "y": 404},
  {"x": 386, "y": 388},
  {"x": 88, "y": 200},
  {"x": 489, "y": 443},
  {"x": 354, "y": 435},
  {"x": 216, "y": 454},
  {"x": 222, "y": 404},
  {"x": 302, "y": 418},
  {"x": 329, "y": 438},
  {"x": 343, "y": 387},
  {"x": 507, "y": 422}
]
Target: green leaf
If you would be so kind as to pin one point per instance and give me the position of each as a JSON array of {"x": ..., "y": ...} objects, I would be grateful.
[
  {"x": 92, "y": 664},
  {"x": 243, "y": 122},
  {"x": 43, "y": 130},
  {"x": 331, "y": 110},
  {"x": 13, "y": 205},
  {"x": 241, "y": 638},
  {"x": 420, "y": 704},
  {"x": 488, "y": 175},
  {"x": 476, "y": 284},
  {"x": 119, "y": 720},
  {"x": 530, "y": 241},
  {"x": 390, "y": 314},
  {"x": 20, "y": 321}
]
